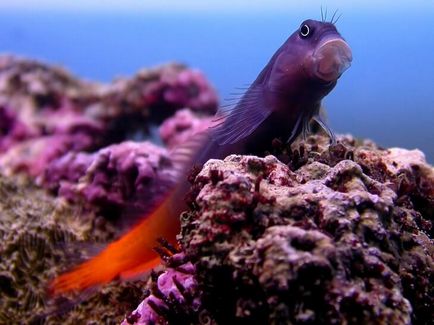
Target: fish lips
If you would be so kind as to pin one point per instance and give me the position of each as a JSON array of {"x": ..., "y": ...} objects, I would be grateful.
[{"x": 331, "y": 59}]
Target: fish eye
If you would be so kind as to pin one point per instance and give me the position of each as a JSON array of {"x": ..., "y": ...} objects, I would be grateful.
[{"x": 305, "y": 30}]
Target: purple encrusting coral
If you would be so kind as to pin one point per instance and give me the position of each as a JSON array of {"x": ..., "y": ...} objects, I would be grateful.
[
  {"x": 32, "y": 156},
  {"x": 334, "y": 240},
  {"x": 53, "y": 127},
  {"x": 182, "y": 127},
  {"x": 173, "y": 296},
  {"x": 11, "y": 129},
  {"x": 133, "y": 173}
]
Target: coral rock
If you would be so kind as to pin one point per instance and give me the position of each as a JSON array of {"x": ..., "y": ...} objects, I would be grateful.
[
  {"x": 174, "y": 297},
  {"x": 335, "y": 235},
  {"x": 43, "y": 104},
  {"x": 40, "y": 236},
  {"x": 182, "y": 127},
  {"x": 33, "y": 156},
  {"x": 130, "y": 173}
]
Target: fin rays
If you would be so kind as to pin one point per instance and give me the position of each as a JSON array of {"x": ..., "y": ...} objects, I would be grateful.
[
  {"x": 320, "y": 119},
  {"x": 240, "y": 120},
  {"x": 130, "y": 255},
  {"x": 332, "y": 20}
]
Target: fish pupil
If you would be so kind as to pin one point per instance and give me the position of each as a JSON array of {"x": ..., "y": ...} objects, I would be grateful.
[{"x": 304, "y": 30}]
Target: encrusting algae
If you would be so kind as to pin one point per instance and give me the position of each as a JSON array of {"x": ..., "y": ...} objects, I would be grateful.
[{"x": 39, "y": 237}]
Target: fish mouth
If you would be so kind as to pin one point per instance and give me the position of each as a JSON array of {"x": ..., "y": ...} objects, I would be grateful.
[{"x": 332, "y": 58}]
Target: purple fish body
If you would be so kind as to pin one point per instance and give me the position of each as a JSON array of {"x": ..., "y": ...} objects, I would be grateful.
[
  {"x": 285, "y": 96},
  {"x": 280, "y": 103}
]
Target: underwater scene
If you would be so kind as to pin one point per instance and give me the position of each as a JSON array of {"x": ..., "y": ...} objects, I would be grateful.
[{"x": 216, "y": 162}]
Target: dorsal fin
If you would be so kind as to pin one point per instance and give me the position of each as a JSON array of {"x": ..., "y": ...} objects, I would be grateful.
[
  {"x": 183, "y": 156},
  {"x": 240, "y": 121}
]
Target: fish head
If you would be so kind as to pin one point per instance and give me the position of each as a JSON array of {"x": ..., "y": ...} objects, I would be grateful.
[{"x": 327, "y": 54}]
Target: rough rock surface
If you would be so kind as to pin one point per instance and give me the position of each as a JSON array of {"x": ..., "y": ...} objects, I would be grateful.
[
  {"x": 331, "y": 236},
  {"x": 182, "y": 126},
  {"x": 173, "y": 296},
  {"x": 40, "y": 237},
  {"x": 128, "y": 175},
  {"x": 46, "y": 112},
  {"x": 74, "y": 137}
]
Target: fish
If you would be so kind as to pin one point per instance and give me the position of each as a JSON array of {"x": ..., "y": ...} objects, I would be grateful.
[{"x": 281, "y": 103}]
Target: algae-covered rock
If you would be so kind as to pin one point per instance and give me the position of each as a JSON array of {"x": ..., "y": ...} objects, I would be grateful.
[
  {"x": 40, "y": 237},
  {"x": 89, "y": 142},
  {"x": 333, "y": 235},
  {"x": 180, "y": 128},
  {"x": 46, "y": 112},
  {"x": 127, "y": 175},
  {"x": 85, "y": 142},
  {"x": 172, "y": 296}
]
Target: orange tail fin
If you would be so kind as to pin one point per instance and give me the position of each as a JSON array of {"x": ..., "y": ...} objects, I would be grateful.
[{"x": 130, "y": 255}]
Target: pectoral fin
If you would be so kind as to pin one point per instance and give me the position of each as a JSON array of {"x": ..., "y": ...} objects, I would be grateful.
[{"x": 320, "y": 118}]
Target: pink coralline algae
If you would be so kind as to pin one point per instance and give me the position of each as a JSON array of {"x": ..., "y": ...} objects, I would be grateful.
[
  {"x": 173, "y": 296},
  {"x": 334, "y": 235},
  {"x": 183, "y": 126},
  {"x": 133, "y": 173},
  {"x": 151, "y": 96},
  {"x": 70, "y": 135},
  {"x": 33, "y": 156},
  {"x": 12, "y": 130},
  {"x": 189, "y": 89}
]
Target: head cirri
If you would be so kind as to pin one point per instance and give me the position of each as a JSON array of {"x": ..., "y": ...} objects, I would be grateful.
[
  {"x": 315, "y": 52},
  {"x": 328, "y": 56}
]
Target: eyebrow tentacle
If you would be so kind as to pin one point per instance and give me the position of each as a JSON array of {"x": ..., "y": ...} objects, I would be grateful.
[
  {"x": 337, "y": 19},
  {"x": 333, "y": 17}
]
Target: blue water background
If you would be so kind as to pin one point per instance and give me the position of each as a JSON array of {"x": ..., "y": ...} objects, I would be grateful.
[{"x": 387, "y": 95}]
